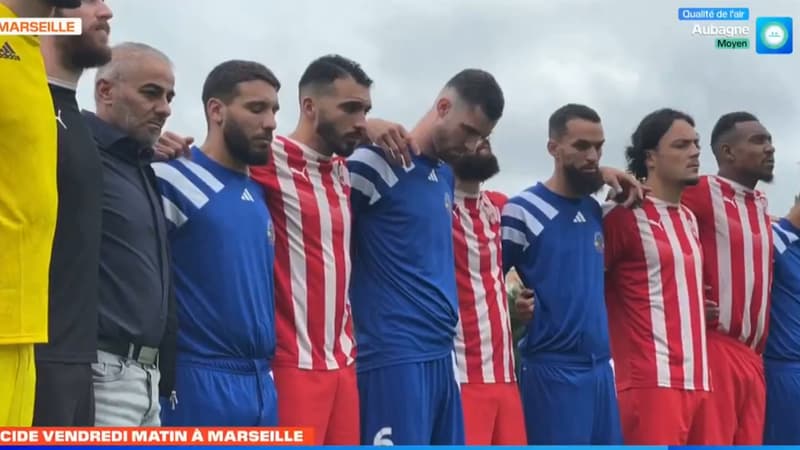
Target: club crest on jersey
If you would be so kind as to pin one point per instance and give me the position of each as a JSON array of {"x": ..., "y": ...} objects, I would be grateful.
[
  {"x": 271, "y": 233},
  {"x": 448, "y": 202},
  {"x": 598, "y": 242}
]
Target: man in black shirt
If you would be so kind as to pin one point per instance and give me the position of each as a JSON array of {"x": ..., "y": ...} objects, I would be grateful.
[
  {"x": 136, "y": 320},
  {"x": 64, "y": 391}
]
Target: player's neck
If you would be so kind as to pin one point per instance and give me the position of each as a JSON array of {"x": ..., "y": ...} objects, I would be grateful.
[
  {"x": 29, "y": 8},
  {"x": 306, "y": 135},
  {"x": 665, "y": 191},
  {"x": 215, "y": 149},
  {"x": 56, "y": 69},
  {"x": 468, "y": 186},
  {"x": 558, "y": 184},
  {"x": 730, "y": 174},
  {"x": 423, "y": 136}
]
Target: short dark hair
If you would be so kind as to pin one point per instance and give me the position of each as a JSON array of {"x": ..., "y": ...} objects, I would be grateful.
[
  {"x": 479, "y": 88},
  {"x": 325, "y": 70},
  {"x": 726, "y": 124},
  {"x": 557, "y": 125},
  {"x": 223, "y": 80},
  {"x": 650, "y": 130}
]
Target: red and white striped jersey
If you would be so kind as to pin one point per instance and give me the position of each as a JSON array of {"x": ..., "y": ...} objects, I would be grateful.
[
  {"x": 308, "y": 196},
  {"x": 654, "y": 296},
  {"x": 735, "y": 232},
  {"x": 484, "y": 343}
]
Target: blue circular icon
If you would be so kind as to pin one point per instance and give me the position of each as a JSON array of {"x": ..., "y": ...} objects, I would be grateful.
[{"x": 774, "y": 35}]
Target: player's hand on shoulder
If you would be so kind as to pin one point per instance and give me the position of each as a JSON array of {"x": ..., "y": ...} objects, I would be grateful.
[
  {"x": 793, "y": 216},
  {"x": 171, "y": 146},
  {"x": 625, "y": 188},
  {"x": 393, "y": 138}
]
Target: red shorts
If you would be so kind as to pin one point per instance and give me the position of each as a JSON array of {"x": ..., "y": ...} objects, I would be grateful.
[
  {"x": 734, "y": 412},
  {"x": 326, "y": 401},
  {"x": 493, "y": 414},
  {"x": 660, "y": 416}
]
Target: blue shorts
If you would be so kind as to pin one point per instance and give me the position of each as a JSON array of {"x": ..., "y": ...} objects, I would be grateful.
[
  {"x": 222, "y": 392},
  {"x": 569, "y": 402},
  {"x": 411, "y": 404},
  {"x": 782, "y": 424}
]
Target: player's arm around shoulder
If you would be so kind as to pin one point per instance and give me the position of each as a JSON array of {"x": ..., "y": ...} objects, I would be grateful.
[
  {"x": 793, "y": 217},
  {"x": 625, "y": 188},
  {"x": 171, "y": 145},
  {"x": 496, "y": 198},
  {"x": 371, "y": 175},
  {"x": 393, "y": 140},
  {"x": 491, "y": 205}
]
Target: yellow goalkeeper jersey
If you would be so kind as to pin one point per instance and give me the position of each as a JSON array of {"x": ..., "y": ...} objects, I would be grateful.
[{"x": 28, "y": 194}]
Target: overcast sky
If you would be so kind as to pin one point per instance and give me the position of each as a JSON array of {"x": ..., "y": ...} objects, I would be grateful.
[{"x": 624, "y": 61}]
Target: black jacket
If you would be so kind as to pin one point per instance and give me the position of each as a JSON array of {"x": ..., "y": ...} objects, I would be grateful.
[
  {"x": 76, "y": 246},
  {"x": 136, "y": 296}
]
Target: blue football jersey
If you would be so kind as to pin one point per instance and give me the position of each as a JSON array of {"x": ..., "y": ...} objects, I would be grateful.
[
  {"x": 222, "y": 244},
  {"x": 556, "y": 246},
  {"x": 783, "y": 341},
  {"x": 403, "y": 284}
]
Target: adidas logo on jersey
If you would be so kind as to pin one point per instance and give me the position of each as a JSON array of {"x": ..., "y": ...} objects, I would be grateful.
[
  {"x": 6, "y": 52},
  {"x": 579, "y": 218},
  {"x": 433, "y": 177},
  {"x": 247, "y": 196}
]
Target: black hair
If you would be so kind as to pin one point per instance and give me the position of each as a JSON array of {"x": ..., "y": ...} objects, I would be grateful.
[
  {"x": 479, "y": 88},
  {"x": 726, "y": 124},
  {"x": 647, "y": 135},
  {"x": 223, "y": 80},
  {"x": 323, "y": 71},
  {"x": 557, "y": 125}
]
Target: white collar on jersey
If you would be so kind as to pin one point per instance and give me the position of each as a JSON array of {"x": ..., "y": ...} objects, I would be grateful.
[
  {"x": 661, "y": 202},
  {"x": 308, "y": 151},
  {"x": 737, "y": 186}
]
